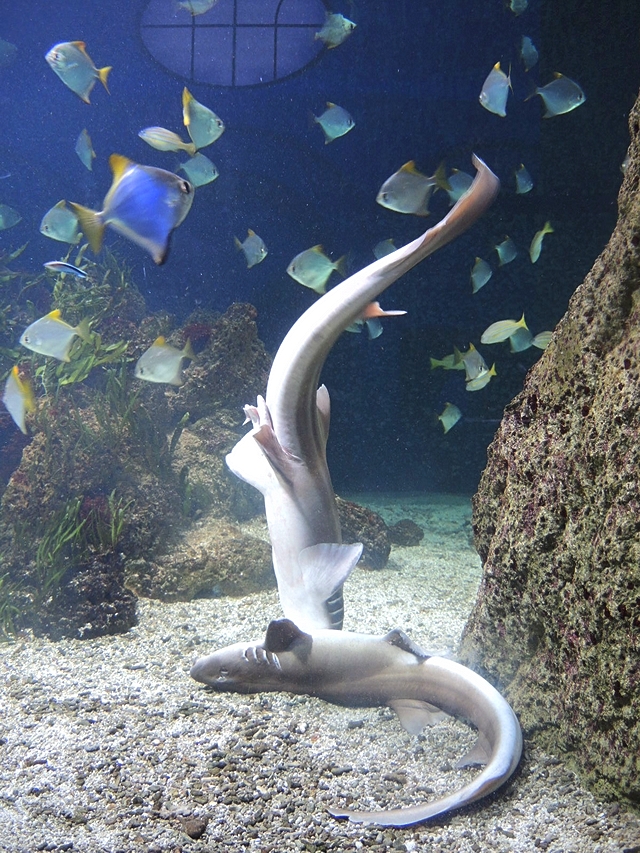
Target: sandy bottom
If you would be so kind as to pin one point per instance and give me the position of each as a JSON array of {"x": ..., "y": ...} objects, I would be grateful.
[{"x": 107, "y": 745}]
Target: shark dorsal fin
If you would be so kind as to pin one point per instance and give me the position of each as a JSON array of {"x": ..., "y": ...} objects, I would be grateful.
[
  {"x": 414, "y": 714},
  {"x": 397, "y": 637}
]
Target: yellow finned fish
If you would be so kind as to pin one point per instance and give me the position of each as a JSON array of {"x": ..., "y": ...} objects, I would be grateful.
[
  {"x": 536, "y": 244},
  {"x": 144, "y": 204},
  {"x": 495, "y": 91},
  {"x": 75, "y": 68},
  {"x": 18, "y": 398},
  {"x": 61, "y": 224},
  {"x": 203, "y": 125},
  {"x": 481, "y": 379},
  {"x": 163, "y": 363},
  {"x": 51, "y": 336},
  {"x": 409, "y": 191},
  {"x": 165, "y": 140},
  {"x": 501, "y": 330},
  {"x": 253, "y": 248},
  {"x": 312, "y": 268}
]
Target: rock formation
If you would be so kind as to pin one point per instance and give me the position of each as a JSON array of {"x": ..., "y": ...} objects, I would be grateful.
[{"x": 557, "y": 525}]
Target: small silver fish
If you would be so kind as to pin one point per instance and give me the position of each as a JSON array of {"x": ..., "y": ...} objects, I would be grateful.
[
  {"x": 253, "y": 248},
  {"x": 335, "y": 30},
  {"x": 18, "y": 398},
  {"x": 8, "y": 217},
  {"x": 507, "y": 251},
  {"x": 165, "y": 140},
  {"x": 335, "y": 121},
  {"x": 312, "y": 268},
  {"x": 51, "y": 336},
  {"x": 64, "y": 267},
  {"x": 518, "y": 6},
  {"x": 84, "y": 149},
  {"x": 8, "y": 53},
  {"x": 528, "y": 53},
  {"x": 409, "y": 191},
  {"x": 197, "y": 7},
  {"x": 200, "y": 170},
  {"x": 474, "y": 363},
  {"x": 560, "y": 96},
  {"x": 495, "y": 91},
  {"x": 524, "y": 181},
  {"x": 520, "y": 340},
  {"x": 384, "y": 247},
  {"x": 480, "y": 274},
  {"x": 163, "y": 363},
  {"x": 75, "y": 68},
  {"x": 536, "y": 244},
  {"x": 450, "y": 416},
  {"x": 203, "y": 125},
  {"x": 501, "y": 330},
  {"x": 459, "y": 183},
  {"x": 61, "y": 224}
]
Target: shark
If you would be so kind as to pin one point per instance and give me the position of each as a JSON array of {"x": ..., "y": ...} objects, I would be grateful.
[
  {"x": 284, "y": 453},
  {"x": 364, "y": 670}
]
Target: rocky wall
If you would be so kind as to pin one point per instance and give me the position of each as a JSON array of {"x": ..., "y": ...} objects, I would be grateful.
[{"x": 557, "y": 525}]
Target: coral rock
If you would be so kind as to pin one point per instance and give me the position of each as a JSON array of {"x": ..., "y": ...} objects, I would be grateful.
[{"x": 557, "y": 525}]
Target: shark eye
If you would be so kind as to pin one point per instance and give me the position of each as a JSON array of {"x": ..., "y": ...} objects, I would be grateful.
[{"x": 222, "y": 675}]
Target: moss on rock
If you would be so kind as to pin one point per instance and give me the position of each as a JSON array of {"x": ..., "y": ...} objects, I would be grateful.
[{"x": 557, "y": 525}]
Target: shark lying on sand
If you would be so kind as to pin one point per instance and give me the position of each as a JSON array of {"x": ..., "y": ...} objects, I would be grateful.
[
  {"x": 284, "y": 454},
  {"x": 361, "y": 670}
]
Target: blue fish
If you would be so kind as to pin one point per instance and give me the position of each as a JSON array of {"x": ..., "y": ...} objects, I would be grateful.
[
  {"x": 144, "y": 204},
  {"x": 63, "y": 266}
]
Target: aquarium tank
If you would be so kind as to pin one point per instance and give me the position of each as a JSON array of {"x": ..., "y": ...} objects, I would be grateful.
[{"x": 237, "y": 410}]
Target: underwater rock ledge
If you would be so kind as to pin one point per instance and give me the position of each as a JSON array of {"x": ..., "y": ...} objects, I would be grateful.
[{"x": 557, "y": 525}]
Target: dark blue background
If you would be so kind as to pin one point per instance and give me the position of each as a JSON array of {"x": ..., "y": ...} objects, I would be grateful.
[{"x": 410, "y": 75}]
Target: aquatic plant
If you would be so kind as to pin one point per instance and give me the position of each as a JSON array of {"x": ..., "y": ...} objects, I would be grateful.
[
  {"x": 104, "y": 521},
  {"x": 9, "y": 609},
  {"x": 97, "y": 295},
  {"x": 85, "y": 357},
  {"x": 60, "y": 541}
]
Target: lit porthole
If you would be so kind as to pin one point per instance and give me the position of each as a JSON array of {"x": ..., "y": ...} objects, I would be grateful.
[{"x": 236, "y": 42}]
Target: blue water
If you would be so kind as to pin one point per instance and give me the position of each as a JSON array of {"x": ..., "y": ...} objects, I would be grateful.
[{"x": 410, "y": 75}]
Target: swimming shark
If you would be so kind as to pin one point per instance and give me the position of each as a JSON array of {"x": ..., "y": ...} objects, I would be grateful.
[
  {"x": 284, "y": 454},
  {"x": 362, "y": 670}
]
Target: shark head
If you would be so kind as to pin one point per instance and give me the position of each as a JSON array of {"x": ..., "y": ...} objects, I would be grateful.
[{"x": 256, "y": 667}]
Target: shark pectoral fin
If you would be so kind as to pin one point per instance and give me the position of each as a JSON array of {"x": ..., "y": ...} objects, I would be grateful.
[
  {"x": 397, "y": 637},
  {"x": 414, "y": 714},
  {"x": 283, "y": 461},
  {"x": 247, "y": 461},
  {"x": 479, "y": 754},
  {"x": 325, "y": 567}
]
